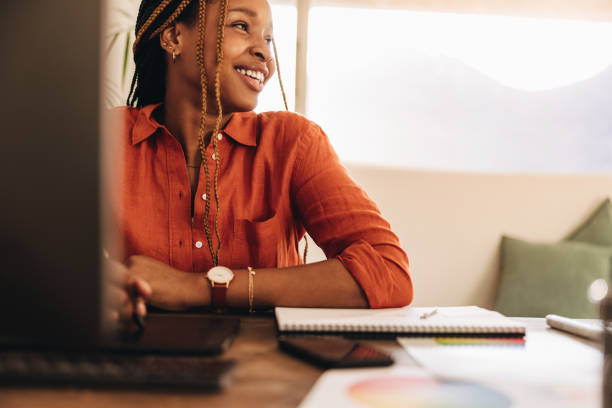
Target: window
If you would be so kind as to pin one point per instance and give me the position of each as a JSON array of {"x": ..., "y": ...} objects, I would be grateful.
[{"x": 460, "y": 91}]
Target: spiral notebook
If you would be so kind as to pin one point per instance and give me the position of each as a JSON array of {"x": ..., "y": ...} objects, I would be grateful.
[{"x": 459, "y": 320}]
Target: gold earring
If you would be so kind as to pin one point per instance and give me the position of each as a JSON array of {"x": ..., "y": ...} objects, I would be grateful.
[{"x": 173, "y": 56}]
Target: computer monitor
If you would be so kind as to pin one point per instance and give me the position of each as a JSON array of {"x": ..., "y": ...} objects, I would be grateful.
[
  {"x": 50, "y": 211},
  {"x": 58, "y": 169}
]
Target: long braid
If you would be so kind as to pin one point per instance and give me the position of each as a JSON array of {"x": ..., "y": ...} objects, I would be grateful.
[
  {"x": 280, "y": 80},
  {"x": 131, "y": 95},
  {"x": 220, "y": 37},
  {"x": 201, "y": 132}
]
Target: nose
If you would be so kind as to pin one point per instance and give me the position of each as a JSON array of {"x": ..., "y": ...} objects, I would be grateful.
[{"x": 261, "y": 50}]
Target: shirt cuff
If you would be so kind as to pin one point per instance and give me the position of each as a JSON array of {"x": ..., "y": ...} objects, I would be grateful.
[{"x": 384, "y": 282}]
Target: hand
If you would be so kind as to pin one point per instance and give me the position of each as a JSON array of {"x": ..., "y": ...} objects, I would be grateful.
[
  {"x": 172, "y": 289},
  {"x": 124, "y": 294}
]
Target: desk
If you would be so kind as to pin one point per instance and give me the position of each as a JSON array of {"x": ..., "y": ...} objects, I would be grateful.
[{"x": 265, "y": 377}]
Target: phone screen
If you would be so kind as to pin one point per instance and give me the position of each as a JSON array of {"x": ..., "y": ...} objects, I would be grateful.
[{"x": 334, "y": 352}]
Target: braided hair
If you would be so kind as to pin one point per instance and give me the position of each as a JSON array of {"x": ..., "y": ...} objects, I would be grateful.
[{"x": 149, "y": 81}]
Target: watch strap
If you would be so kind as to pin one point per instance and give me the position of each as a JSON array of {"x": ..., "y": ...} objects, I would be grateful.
[{"x": 219, "y": 295}]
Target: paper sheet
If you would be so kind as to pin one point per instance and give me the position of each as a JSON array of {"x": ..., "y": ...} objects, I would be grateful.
[
  {"x": 547, "y": 370},
  {"x": 403, "y": 387},
  {"x": 545, "y": 358}
]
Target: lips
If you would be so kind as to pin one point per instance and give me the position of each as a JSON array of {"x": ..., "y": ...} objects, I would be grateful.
[{"x": 253, "y": 77}]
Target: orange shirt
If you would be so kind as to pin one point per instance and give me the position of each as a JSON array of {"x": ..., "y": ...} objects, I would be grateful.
[{"x": 279, "y": 177}]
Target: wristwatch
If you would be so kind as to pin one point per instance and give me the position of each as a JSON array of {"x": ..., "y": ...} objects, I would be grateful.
[{"x": 220, "y": 278}]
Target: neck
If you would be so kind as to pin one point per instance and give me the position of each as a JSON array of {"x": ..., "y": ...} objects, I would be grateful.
[{"x": 182, "y": 113}]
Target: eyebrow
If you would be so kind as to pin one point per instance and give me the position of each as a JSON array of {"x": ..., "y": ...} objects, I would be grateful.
[{"x": 243, "y": 10}]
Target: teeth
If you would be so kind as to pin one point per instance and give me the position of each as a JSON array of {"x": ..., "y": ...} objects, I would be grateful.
[{"x": 253, "y": 74}]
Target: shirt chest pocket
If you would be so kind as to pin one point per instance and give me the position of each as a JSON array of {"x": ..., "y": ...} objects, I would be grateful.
[{"x": 259, "y": 243}]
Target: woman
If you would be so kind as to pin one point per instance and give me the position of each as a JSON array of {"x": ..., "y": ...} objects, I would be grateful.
[{"x": 209, "y": 183}]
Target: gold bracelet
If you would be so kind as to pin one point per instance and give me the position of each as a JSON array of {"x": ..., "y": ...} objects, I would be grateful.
[{"x": 251, "y": 288}]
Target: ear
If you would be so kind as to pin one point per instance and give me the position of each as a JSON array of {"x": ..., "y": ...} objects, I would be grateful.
[{"x": 171, "y": 40}]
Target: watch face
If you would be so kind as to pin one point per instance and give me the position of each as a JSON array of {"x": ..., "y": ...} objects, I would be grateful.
[{"x": 220, "y": 274}]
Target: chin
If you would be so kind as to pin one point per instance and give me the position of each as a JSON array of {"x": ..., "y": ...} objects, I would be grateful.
[{"x": 243, "y": 106}]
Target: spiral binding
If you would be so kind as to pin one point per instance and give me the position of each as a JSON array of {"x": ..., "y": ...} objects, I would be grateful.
[{"x": 399, "y": 329}]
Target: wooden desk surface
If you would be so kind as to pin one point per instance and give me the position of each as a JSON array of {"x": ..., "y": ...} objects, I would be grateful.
[{"x": 265, "y": 377}]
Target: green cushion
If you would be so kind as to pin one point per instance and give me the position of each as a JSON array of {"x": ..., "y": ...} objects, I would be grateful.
[
  {"x": 598, "y": 228},
  {"x": 538, "y": 279}
]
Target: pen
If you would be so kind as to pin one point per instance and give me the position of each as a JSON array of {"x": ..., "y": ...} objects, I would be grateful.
[{"x": 429, "y": 314}]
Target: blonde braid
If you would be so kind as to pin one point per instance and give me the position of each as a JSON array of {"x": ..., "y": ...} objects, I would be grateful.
[
  {"x": 162, "y": 6},
  {"x": 201, "y": 135},
  {"x": 220, "y": 38},
  {"x": 172, "y": 18},
  {"x": 280, "y": 81}
]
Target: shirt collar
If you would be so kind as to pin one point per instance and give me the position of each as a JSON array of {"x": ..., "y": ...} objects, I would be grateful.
[
  {"x": 145, "y": 125},
  {"x": 242, "y": 126}
]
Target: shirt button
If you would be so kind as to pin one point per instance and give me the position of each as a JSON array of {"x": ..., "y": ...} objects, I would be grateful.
[
  {"x": 198, "y": 244},
  {"x": 220, "y": 136},
  {"x": 204, "y": 197},
  {"x": 214, "y": 156}
]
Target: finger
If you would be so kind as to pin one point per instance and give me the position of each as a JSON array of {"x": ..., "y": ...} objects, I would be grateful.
[
  {"x": 138, "y": 287},
  {"x": 127, "y": 311},
  {"x": 141, "y": 307},
  {"x": 143, "y": 288}
]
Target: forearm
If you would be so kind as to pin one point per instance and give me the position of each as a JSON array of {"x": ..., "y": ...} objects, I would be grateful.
[{"x": 321, "y": 284}]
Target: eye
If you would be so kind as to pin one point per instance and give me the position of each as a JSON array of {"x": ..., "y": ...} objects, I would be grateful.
[
  {"x": 269, "y": 41},
  {"x": 241, "y": 26}
]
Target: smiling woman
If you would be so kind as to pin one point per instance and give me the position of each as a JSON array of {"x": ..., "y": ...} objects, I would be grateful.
[{"x": 215, "y": 198}]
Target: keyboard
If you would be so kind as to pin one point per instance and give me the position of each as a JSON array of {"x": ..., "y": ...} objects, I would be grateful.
[{"x": 113, "y": 369}]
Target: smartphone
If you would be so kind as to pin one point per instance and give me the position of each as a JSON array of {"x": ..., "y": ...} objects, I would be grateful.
[{"x": 334, "y": 352}]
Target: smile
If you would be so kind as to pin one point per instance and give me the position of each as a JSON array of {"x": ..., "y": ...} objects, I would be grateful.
[{"x": 255, "y": 79}]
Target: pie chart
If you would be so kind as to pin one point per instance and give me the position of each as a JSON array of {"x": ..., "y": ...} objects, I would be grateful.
[{"x": 415, "y": 392}]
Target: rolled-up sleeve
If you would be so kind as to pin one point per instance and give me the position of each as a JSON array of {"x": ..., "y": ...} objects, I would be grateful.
[{"x": 346, "y": 223}]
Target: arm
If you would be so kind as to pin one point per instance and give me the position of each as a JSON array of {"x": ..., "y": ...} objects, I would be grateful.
[
  {"x": 322, "y": 284},
  {"x": 347, "y": 224}
]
